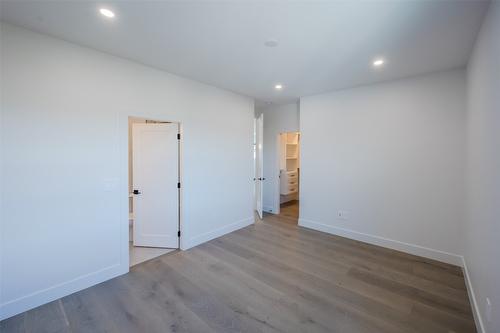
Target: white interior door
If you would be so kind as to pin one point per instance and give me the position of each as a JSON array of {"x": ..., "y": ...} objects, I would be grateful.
[
  {"x": 259, "y": 163},
  {"x": 155, "y": 151}
]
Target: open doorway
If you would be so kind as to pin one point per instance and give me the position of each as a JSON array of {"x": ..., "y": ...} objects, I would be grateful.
[
  {"x": 154, "y": 187},
  {"x": 289, "y": 174}
]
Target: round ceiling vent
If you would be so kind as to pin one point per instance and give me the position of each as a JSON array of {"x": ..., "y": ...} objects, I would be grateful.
[{"x": 271, "y": 43}]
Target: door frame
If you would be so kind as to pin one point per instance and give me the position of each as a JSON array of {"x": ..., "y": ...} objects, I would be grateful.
[
  {"x": 123, "y": 138},
  {"x": 277, "y": 197},
  {"x": 259, "y": 164},
  {"x": 277, "y": 184}
]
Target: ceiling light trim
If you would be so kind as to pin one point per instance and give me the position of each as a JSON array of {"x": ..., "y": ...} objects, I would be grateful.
[{"x": 107, "y": 13}]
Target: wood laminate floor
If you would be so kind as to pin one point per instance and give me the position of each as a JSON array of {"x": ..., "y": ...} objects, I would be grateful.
[
  {"x": 269, "y": 277},
  {"x": 290, "y": 209}
]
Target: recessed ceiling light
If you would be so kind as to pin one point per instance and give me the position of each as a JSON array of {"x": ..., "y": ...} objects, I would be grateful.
[
  {"x": 271, "y": 43},
  {"x": 106, "y": 12},
  {"x": 278, "y": 87},
  {"x": 378, "y": 62}
]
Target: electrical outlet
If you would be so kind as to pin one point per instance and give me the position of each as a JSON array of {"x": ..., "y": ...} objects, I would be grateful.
[
  {"x": 488, "y": 309},
  {"x": 343, "y": 215}
]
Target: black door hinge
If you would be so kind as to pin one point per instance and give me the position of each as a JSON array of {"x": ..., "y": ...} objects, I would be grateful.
[
  {"x": 178, "y": 185},
  {"x": 178, "y": 136},
  {"x": 179, "y": 233}
]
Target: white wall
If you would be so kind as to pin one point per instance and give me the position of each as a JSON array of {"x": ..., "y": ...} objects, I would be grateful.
[
  {"x": 392, "y": 156},
  {"x": 277, "y": 119},
  {"x": 482, "y": 227},
  {"x": 65, "y": 196},
  {"x": 1, "y": 171}
]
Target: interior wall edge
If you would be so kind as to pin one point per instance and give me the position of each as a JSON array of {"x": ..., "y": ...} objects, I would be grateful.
[{"x": 472, "y": 297}]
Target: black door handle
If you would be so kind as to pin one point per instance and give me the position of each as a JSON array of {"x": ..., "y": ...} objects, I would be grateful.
[
  {"x": 261, "y": 178},
  {"x": 137, "y": 192}
]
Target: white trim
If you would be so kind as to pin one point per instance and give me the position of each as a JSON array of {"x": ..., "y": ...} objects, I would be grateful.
[
  {"x": 269, "y": 209},
  {"x": 414, "y": 249},
  {"x": 28, "y": 302},
  {"x": 197, "y": 240},
  {"x": 472, "y": 297},
  {"x": 276, "y": 199},
  {"x": 123, "y": 228}
]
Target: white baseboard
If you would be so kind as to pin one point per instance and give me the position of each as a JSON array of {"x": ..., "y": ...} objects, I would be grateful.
[
  {"x": 25, "y": 303},
  {"x": 472, "y": 298},
  {"x": 197, "y": 240},
  {"x": 268, "y": 209},
  {"x": 418, "y": 250}
]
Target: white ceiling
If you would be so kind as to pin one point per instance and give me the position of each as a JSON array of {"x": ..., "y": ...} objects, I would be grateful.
[{"x": 322, "y": 45}]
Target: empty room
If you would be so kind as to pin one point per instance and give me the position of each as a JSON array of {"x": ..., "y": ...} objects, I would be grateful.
[{"x": 250, "y": 166}]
